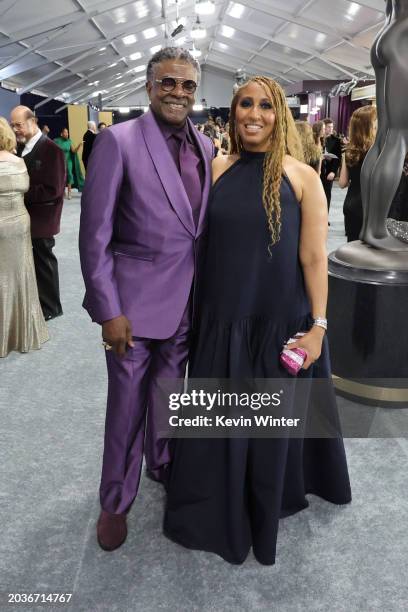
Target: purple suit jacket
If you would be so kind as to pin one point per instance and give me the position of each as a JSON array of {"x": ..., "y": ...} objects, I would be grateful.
[{"x": 138, "y": 242}]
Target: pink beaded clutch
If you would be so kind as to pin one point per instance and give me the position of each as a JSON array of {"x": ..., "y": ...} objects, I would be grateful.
[{"x": 293, "y": 359}]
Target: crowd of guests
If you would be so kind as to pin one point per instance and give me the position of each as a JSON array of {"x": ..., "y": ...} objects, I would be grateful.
[
  {"x": 218, "y": 131},
  {"x": 328, "y": 154}
]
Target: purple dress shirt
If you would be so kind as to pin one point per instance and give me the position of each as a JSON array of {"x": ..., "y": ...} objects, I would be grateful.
[{"x": 188, "y": 162}]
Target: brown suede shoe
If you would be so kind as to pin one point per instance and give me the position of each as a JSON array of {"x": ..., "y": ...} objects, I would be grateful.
[{"x": 111, "y": 530}]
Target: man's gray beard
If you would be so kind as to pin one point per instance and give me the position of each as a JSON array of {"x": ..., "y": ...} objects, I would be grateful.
[{"x": 21, "y": 140}]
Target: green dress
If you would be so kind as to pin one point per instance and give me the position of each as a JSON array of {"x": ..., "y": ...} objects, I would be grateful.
[{"x": 74, "y": 173}]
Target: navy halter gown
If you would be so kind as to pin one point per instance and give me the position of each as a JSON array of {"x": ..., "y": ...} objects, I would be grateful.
[{"x": 226, "y": 495}]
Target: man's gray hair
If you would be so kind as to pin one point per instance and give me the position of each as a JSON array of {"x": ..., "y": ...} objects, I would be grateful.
[{"x": 172, "y": 53}]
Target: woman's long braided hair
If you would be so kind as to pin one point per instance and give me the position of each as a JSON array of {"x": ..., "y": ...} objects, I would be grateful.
[{"x": 284, "y": 140}]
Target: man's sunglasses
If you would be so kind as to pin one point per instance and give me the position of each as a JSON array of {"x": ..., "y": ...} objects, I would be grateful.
[{"x": 169, "y": 83}]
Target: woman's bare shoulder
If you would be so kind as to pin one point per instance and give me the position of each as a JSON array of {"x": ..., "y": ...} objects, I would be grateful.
[
  {"x": 300, "y": 175},
  {"x": 304, "y": 171},
  {"x": 224, "y": 161},
  {"x": 221, "y": 164},
  {"x": 292, "y": 162}
]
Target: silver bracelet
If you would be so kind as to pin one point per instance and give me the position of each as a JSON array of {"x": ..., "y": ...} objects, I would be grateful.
[{"x": 320, "y": 322}]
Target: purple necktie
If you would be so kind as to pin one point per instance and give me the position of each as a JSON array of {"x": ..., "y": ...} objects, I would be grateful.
[{"x": 190, "y": 175}]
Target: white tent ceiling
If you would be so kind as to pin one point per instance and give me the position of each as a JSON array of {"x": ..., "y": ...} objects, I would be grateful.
[{"x": 70, "y": 49}]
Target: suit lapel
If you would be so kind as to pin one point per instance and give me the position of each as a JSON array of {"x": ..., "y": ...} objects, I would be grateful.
[
  {"x": 207, "y": 176},
  {"x": 167, "y": 171}
]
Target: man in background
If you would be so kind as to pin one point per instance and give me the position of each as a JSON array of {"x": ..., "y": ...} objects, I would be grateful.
[
  {"x": 88, "y": 140},
  {"x": 331, "y": 162},
  {"x": 46, "y": 168}
]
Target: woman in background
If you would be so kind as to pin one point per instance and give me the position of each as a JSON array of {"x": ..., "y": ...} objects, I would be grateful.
[
  {"x": 318, "y": 133},
  {"x": 362, "y": 131},
  {"x": 210, "y": 131},
  {"x": 22, "y": 325},
  {"x": 74, "y": 173},
  {"x": 225, "y": 144},
  {"x": 312, "y": 152}
]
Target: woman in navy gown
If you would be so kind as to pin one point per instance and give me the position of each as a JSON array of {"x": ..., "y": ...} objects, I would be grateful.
[{"x": 263, "y": 280}]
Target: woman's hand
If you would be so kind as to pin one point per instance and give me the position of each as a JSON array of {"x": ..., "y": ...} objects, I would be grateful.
[{"x": 311, "y": 343}]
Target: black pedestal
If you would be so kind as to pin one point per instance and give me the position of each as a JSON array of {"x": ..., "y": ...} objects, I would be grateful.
[{"x": 368, "y": 325}]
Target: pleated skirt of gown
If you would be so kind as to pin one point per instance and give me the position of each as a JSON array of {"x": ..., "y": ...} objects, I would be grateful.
[{"x": 227, "y": 495}]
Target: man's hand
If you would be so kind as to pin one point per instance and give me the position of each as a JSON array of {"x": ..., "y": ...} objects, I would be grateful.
[
  {"x": 330, "y": 176},
  {"x": 117, "y": 333}
]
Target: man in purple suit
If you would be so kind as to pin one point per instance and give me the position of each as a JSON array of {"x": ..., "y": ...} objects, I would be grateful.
[{"x": 143, "y": 215}]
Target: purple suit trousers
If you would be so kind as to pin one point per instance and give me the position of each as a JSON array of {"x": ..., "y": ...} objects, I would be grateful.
[{"x": 131, "y": 417}]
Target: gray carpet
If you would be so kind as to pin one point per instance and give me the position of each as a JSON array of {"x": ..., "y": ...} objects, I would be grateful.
[{"x": 52, "y": 405}]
